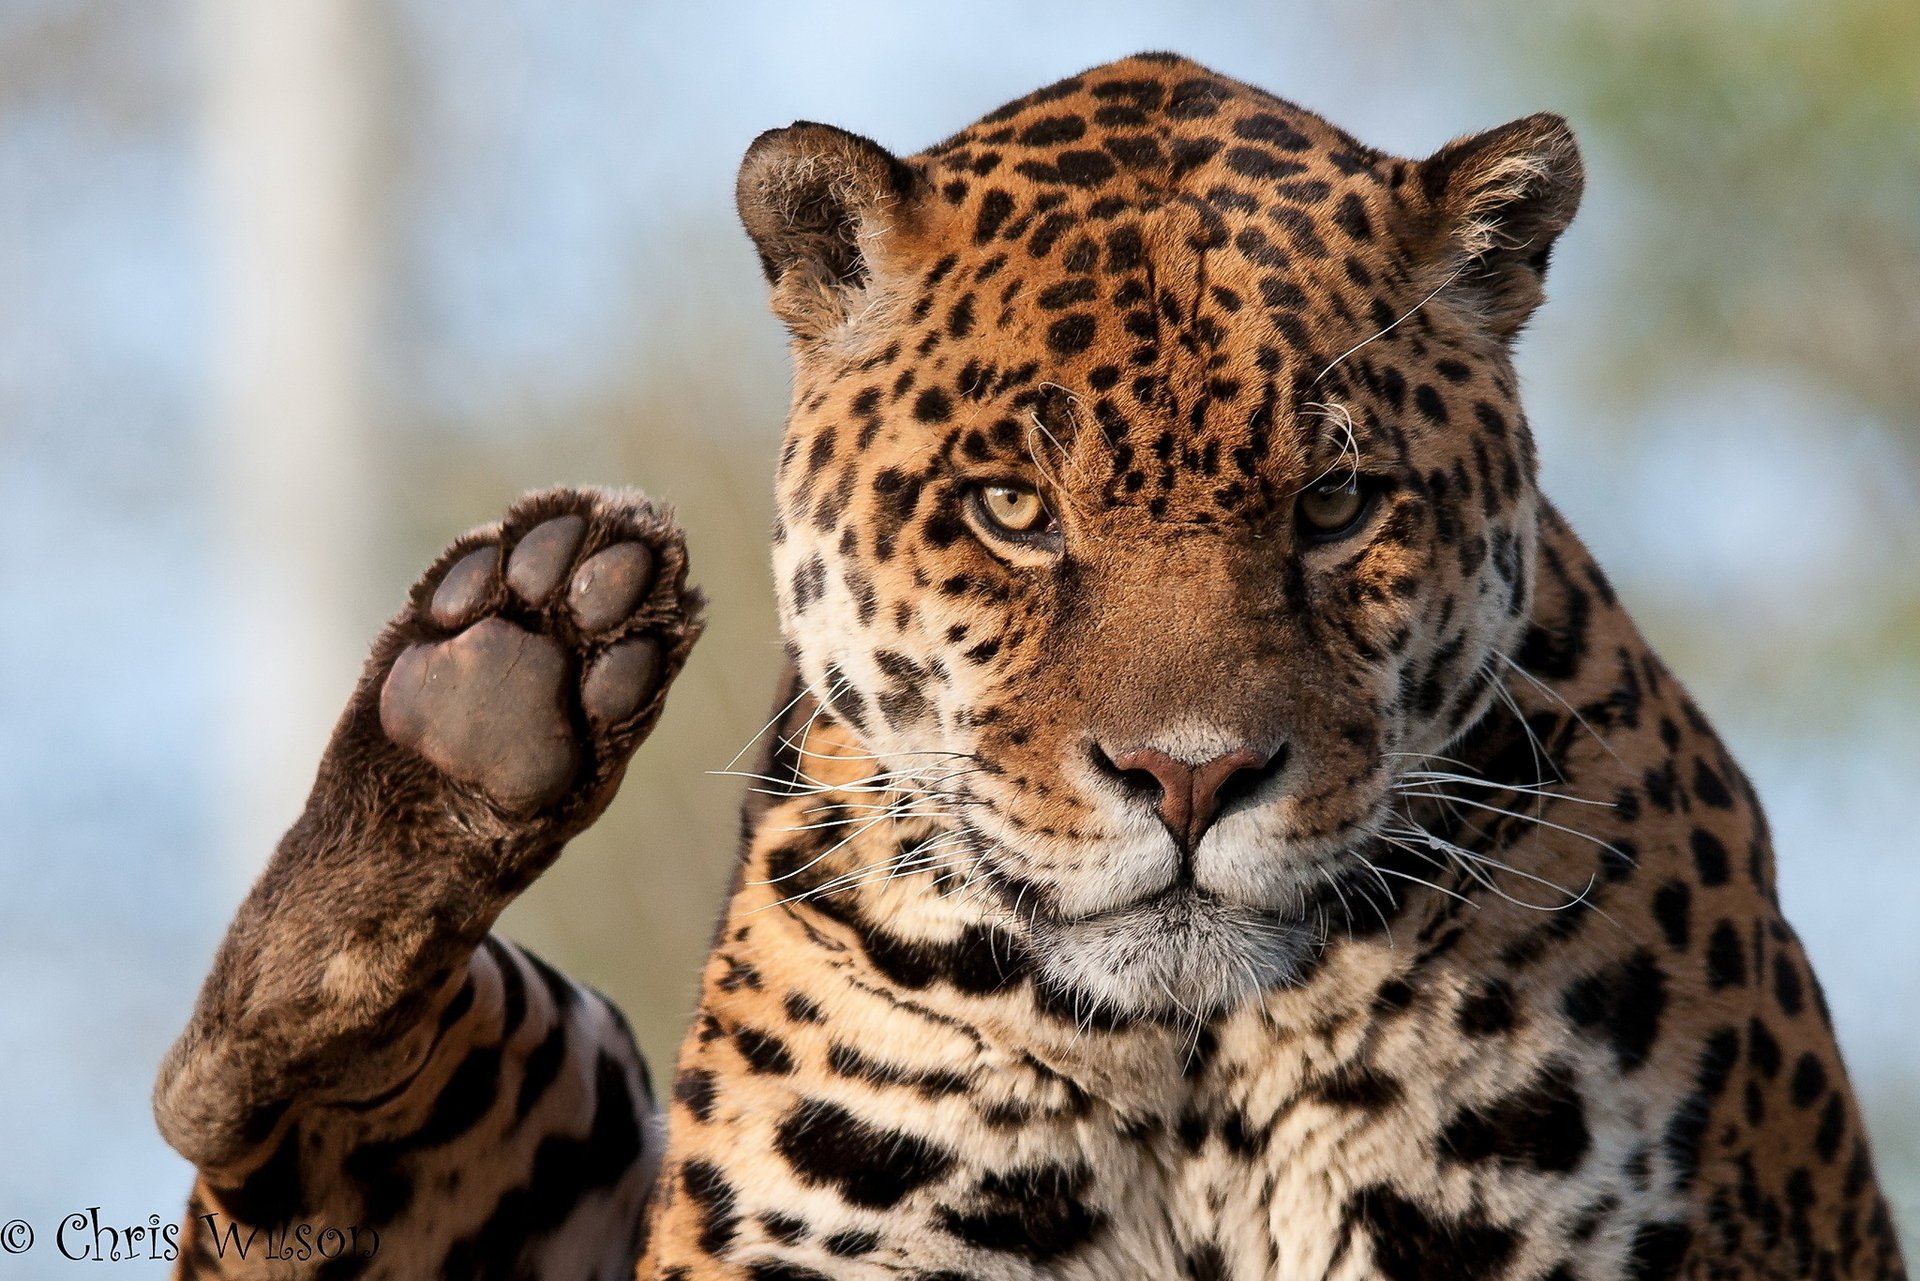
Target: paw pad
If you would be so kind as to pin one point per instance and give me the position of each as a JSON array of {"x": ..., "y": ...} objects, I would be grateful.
[
  {"x": 464, "y": 590},
  {"x": 541, "y": 559},
  {"x": 606, "y": 588},
  {"x": 619, "y": 679},
  {"x": 494, "y": 704},
  {"x": 485, "y": 707}
]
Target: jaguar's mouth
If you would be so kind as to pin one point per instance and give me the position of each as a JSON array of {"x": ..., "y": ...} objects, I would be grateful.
[
  {"x": 1173, "y": 947},
  {"x": 1182, "y": 951},
  {"x": 1170, "y": 888},
  {"x": 1180, "y": 899},
  {"x": 1182, "y": 905}
]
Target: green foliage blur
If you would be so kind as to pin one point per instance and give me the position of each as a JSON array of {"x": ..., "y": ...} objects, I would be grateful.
[{"x": 1777, "y": 148}]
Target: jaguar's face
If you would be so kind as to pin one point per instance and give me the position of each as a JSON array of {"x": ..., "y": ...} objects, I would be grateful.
[{"x": 1153, "y": 554}]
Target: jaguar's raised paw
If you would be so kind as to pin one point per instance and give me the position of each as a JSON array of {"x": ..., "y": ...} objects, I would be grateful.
[{"x": 537, "y": 652}]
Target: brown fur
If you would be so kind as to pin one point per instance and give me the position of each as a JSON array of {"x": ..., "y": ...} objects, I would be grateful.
[{"x": 348, "y": 1010}]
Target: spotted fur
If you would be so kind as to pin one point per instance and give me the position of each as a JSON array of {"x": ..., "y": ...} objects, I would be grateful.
[{"x": 1471, "y": 963}]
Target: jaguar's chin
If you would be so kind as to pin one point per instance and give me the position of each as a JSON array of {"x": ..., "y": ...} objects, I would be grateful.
[{"x": 1183, "y": 953}]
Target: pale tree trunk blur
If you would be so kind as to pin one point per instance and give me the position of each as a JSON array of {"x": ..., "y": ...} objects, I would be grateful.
[{"x": 290, "y": 120}]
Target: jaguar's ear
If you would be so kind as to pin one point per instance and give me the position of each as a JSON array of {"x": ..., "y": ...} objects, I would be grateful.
[
  {"x": 1500, "y": 200},
  {"x": 818, "y": 201}
]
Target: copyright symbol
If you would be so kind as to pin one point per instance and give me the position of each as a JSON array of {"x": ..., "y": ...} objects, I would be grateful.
[{"x": 16, "y": 1236}]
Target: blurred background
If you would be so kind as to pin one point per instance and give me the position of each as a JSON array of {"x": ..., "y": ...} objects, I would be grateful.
[{"x": 293, "y": 292}]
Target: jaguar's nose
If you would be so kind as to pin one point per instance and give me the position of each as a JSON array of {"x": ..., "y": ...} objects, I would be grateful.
[{"x": 1189, "y": 796}]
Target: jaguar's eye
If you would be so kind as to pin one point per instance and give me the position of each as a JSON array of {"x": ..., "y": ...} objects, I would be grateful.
[
  {"x": 1330, "y": 509},
  {"x": 1013, "y": 509}
]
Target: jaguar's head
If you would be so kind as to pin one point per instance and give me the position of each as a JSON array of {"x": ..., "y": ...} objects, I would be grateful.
[{"x": 1156, "y": 489}]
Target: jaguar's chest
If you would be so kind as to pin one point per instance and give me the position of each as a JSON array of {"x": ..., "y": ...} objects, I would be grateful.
[
  {"x": 1259, "y": 1178},
  {"x": 1381, "y": 1154}
]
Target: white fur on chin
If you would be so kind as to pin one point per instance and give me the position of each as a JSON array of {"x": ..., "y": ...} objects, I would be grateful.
[{"x": 1188, "y": 954}]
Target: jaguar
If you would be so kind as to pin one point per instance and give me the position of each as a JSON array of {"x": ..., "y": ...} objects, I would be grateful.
[{"x": 1219, "y": 822}]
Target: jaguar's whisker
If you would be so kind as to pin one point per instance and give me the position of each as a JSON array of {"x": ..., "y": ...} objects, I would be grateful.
[
  {"x": 1556, "y": 696},
  {"x": 1471, "y": 862}
]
